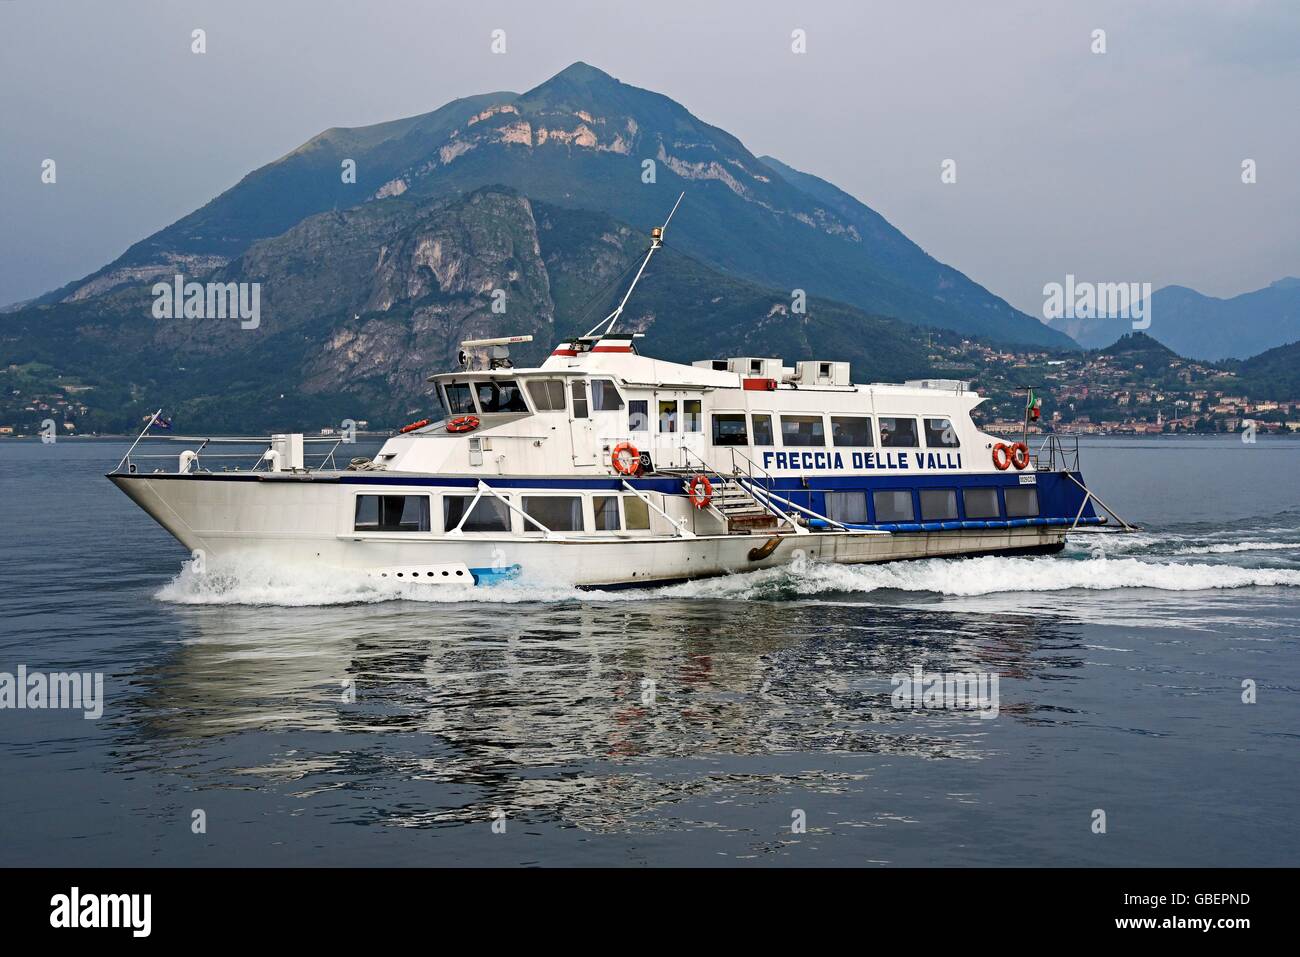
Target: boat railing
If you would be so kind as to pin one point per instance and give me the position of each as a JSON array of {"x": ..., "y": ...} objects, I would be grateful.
[
  {"x": 1056, "y": 453},
  {"x": 259, "y": 454}
]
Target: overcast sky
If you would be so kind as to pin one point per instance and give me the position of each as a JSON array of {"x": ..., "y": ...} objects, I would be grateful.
[{"x": 1117, "y": 167}]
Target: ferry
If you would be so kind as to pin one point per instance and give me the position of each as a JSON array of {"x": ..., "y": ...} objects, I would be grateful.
[{"x": 605, "y": 467}]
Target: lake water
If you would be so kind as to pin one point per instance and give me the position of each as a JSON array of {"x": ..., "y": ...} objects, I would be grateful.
[{"x": 1120, "y": 665}]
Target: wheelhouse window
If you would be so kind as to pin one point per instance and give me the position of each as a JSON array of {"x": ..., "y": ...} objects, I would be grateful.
[
  {"x": 729, "y": 429},
  {"x": 803, "y": 430},
  {"x": 501, "y": 395},
  {"x": 667, "y": 415},
  {"x": 981, "y": 502},
  {"x": 459, "y": 398},
  {"x": 898, "y": 433},
  {"x": 547, "y": 394},
  {"x": 692, "y": 415},
  {"x": 580, "y": 405},
  {"x": 559, "y": 513},
  {"x": 851, "y": 430},
  {"x": 638, "y": 415},
  {"x": 939, "y": 434},
  {"x": 762, "y": 428},
  {"x": 392, "y": 513},
  {"x": 938, "y": 504},
  {"x": 894, "y": 505},
  {"x": 1022, "y": 502},
  {"x": 489, "y": 515},
  {"x": 846, "y": 506},
  {"x": 604, "y": 396},
  {"x": 604, "y": 513}
]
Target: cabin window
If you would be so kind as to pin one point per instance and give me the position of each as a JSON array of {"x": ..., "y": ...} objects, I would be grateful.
[
  {"x": 692, "y": 415},
  {"x": 851, "y": 430},
  {"x": 802, "y": 430},
  {"x": 489, "y": 515},
  {"x": 604, "y": 512},
  {"x": 547, "y": 394},
  {"x": 981, "y": 502},
  {"x": 1022, "y": 502},
  {"x": 392, "y": 513},
  {"x": 501, "y": 395},
  {"x": 762, "y": 429},
  {"x": 604, "y": 397},
  {"x": 938, "y": 504},
  {"x": 847, "y": 506},
  {"x": 729, "y": 429},
  {"x": 638, "y": 415},
  {"x": 939, "y": 434},
  {"x": 894, "y": 505},
  {"x": 559, "y": 513},
  {"x": 460, "y": 398},
  {"x": 636, "y": 514},
  {"x": 579, "y": 399},
  {"x": 898, "y": 433},
  {"x": 667, "y": 415}
]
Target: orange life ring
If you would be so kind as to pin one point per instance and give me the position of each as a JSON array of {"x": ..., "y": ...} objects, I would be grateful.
[
  {"x": 1020, "y": 456},
  {"x": 413, "y": 426},
  {"x": 625, "y": 458},
  {"x": 1001, "y": 456},
  {"x": 463, "y": 423},
  {"x": 700, "y": 491}
]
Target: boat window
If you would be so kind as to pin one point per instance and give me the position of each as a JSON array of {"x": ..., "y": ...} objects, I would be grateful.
[
  {"x": 489, "y": 515},
  {"x": 981, "y": 502},
  {"x": 636, "y": 514},
  {"x": 851, "y": 430},
  {"x": 896, "y": 433},
  {"x": 604, "y": 397},
  {"x": 460, "y": 398},
  {"x": 802, "y": 430},
  {"x": 762, "y": 428},
  {"x": 894, "y": 505},
  {"x": 392, "y": 513},
  {"x": 938, "y": 504},
  {"x": 729, "y": 429},
  {"x": 1022, "y": 502},
  {"x": 501, "y": 395},
  {"x": 667, "y": 415},
  {"x": 940, "y": 434},
  {"x": 692, "y": 416},
  {"x": 579, "y": 399},
  {"x": 638, "y": 415},
  {"x": 847, "y": 506},
  {"x": 604, "y": 509},
  {"x": 547, "y": 394},
  {"x": 559, "y": 513}
]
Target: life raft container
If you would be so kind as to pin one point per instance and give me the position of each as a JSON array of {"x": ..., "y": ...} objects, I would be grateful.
[
  {"x": 413, "y": 426},
  {"x": 463, "y": 423},
  {"x": 1020, "y": 456},
  {"x": 1001, "y": 456},
  {"x": 700, "y": 491},
  {"x": 625, "y": 458}
]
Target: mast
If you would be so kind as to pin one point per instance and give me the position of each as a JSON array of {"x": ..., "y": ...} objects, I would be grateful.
[{"x": 656, "y": 241}]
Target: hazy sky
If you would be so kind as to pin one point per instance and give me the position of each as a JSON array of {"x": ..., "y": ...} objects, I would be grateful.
[{"x": 1117, "y": 167}]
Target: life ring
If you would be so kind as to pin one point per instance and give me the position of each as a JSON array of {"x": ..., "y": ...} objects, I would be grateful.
[
  {"x": 413, "y": 426},
  {"x": 1001, "y": 456},
  {"x": 625, "y": 458},
  {"x": 1020, "y": 456},
  {"x": 700, "y": 491},
  {"x": 463, "y": 423}
]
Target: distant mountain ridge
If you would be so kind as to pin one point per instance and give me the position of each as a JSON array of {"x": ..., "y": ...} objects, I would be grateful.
[{"x": 1205, "y": 327}]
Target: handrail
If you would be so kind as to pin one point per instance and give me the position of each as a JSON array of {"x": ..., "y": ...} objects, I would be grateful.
[{"x": 682, "y": 530}]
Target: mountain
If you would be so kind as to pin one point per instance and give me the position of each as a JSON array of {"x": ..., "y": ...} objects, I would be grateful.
[
  {"x": 359, "y": 305},
  {"x": 1140, "y": 345},
  {"x": 1204, "y": 327},
  {"x": 581, "y": 140},
  {"x": 1274, "y": 374}
]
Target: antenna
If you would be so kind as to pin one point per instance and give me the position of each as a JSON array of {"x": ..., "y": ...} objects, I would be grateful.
[{"x": 656, "y": 241}]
